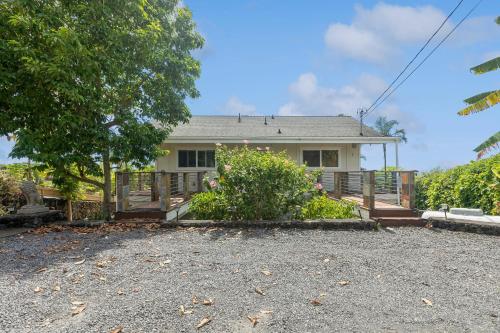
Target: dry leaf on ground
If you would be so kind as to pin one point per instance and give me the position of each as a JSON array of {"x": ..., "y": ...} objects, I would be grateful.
[
  {"x": 203, "y": 322},
  {"x": 208, "y": 301},
  {"x": 77, "y": 303},
  {"x": 80, "y": 262},
  {"x": 344, "y": 282},
  {"x": 183, "y": 310},
  {"x": 38, "y": 290},
  {"x": 77, "y": 310},
  {"x": 266, "y": 273},
  {"x": 117, "y": 329},
  {"x": 194, "y": 300},
  {"x": 427, "y": 301},
  {"x": 56, "y": 288},
  {"x": 315, "y": 302},
  {"x": 120, "y": 292},
  {"x": 253, "y": 320},
  {"x": 259, "y": 291},
  {"x": 266, "y": 311}
]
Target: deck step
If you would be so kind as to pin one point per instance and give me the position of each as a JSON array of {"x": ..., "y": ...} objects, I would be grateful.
[
  {"x": 393, "y": 212},
  {"x": 400, "y": 221}
]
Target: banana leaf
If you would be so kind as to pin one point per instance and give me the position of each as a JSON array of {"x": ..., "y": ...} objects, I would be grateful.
[
  {"x": 487, "y": 66},
  {"x": 488, "y": 145},
  {"x": 481, "y": 104}
]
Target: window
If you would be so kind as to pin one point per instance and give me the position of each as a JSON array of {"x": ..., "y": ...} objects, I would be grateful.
[
  {"x": 206, "y": 158},
  {"x": 187, "y": 158},
  {"x": 330, "y": 158},
  {"x": 321, "y": 158},
  {"x": 311, "y": 158},
  {"x": 196, "y": 158}
]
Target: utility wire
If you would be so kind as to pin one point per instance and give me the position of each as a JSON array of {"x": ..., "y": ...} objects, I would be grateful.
[
  {"x": 416, "y": 55},
  {"x": 427, "y": 57}
]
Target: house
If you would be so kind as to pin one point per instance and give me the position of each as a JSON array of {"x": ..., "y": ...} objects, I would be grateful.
[{"x": 329, "y": 142}]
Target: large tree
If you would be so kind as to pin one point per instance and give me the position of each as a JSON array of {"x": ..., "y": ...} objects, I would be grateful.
[
  {"x": 483, "y": 101},
  {"x": 87, "y": 84},
  {"x": 388, "y": 128}
]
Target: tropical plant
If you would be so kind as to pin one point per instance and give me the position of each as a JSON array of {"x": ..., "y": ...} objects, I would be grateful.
[
  {"x": 209, "y": 206},
  {"x": 388, "y": 128},
  {"x": 474, "y": 185},
  {"x": 322, "y": 207},
  {"x": 483, "y": 101},
  {"x": 86, "y": 85},
  {"x": 257, "y": 184}
]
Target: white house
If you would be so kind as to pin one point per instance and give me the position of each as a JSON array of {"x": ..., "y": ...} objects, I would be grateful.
[{"x": 328, "y": 142}]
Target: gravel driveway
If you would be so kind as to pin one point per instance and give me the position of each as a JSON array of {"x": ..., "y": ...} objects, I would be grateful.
[{"x": 407, "y": 279}]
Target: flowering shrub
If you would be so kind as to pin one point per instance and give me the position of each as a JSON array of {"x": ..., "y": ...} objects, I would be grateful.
[
  {"x": 256, "y": 185},
  {"x": 324, "y": 208}
]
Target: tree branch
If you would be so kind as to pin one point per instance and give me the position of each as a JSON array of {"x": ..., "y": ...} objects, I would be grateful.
[{"x": 84, "y": 179}]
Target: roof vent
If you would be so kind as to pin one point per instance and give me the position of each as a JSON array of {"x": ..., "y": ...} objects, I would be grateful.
[
  {"x": 265, "y": 120},
  {"x": 239, "y": 117},
  {"x": 279, "y": 130}
]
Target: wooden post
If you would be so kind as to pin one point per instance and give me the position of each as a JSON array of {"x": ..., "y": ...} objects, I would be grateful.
[
  {"x": 119, "y": 191},
  {"x": 369, "y": 189},
  {"x": 165, "y": 189},
  {"x": 126, "y": 190},
  {"x": 408, "y": 189},
  {"x": 154, "y": 188},
  {"x": 140, "y": 181},
  {"x": 337, "y": 184},
  {"x": 185, "y": 187}
]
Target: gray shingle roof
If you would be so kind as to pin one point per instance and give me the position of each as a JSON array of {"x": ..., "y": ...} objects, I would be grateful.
[{"x": 254, "y": 127}]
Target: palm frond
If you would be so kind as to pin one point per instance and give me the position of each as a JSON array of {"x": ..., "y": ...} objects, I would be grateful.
[
  {"x": 488, "y": 145},
  {"x": 482, "y": 104},
  {"x": 487, "y": 66},
  {"x": 476, "y": 98}
]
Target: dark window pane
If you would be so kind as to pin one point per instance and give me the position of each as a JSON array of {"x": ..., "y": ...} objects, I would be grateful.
[
  {"x": 187, "y": 158},
  {"x": 202, "y": 162},
  {"x": 192, "y": 158},
  {"x": 182, "y": 158},
  {"x": 330, "y": 158},
  {"x": 210, "y": 158},
  {"x": 311, "y": 158}
]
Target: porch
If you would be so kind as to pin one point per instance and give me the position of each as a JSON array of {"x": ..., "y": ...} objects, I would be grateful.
[{"x": 151, "y": 195}]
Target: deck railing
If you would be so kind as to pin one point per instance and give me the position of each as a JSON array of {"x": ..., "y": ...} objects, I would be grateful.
[{"x": 155, "y": 190}]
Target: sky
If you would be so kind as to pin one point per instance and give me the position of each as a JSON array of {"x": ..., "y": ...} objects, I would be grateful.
[{"x": 333, "y": 57}]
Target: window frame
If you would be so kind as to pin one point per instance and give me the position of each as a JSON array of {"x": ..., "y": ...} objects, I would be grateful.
[
  {"x": 195, "y": 167},
  {"x": 339, "y": 160}
]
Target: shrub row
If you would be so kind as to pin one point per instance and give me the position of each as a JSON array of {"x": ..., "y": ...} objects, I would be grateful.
[{"x": 474, "y": 185}]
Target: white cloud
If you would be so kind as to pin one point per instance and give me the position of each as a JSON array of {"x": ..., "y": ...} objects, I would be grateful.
[
  {"x": 378, "y": 34},
  {"x": 234, "y": 106},
  {"x": 307, "y": 97}
]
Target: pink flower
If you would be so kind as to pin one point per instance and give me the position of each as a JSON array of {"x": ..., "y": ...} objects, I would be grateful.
[
  {"x": 267, "y": 148},
  {"x": 218, "y": 144},
  {"x": 246, "y": 141},
  {"x": 213, "y": 183},
  {"x": 318, "y": 186},
  {"x": 227, "y": 167},
  {"x": 259, "y": 149}
]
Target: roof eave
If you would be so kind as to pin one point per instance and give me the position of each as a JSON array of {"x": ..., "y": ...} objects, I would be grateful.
[{"x": 360, "y": 139}]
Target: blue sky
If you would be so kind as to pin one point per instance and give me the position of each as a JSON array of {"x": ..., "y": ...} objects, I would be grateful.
[{"x": 331, "y": 57}]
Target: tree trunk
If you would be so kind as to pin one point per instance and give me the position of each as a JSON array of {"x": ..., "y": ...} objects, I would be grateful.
[
  {"x": 69, "y": 210},
  {"x": 107, "y": 186}
]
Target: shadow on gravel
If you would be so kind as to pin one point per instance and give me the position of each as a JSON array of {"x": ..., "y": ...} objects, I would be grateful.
[
  {"x": 220, "y": 233},
  {"x": 28, "y": 254}
]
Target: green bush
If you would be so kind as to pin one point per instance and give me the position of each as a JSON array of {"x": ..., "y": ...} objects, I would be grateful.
[
  {"x": 256, "y": 184},
  {"x": 474, "y": 185},
  {"x": 321, "y": 207},
  {"x": 10, "y": 194},
  {"x": 209, "y": 206}
]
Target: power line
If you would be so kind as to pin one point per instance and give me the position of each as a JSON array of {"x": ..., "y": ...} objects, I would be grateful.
[
  {"x": 427, "y": 57},
  {"x": 416, "y": 55}
]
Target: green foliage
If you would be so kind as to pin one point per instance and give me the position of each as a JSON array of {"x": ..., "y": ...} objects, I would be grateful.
[
  {"x": 209, "y": 206},
  {"x": 10, "y": 194},
  {"x": 88, "y": 84},
  {"x": 321, "y": 207},
  {"x": 257, "y": 184},
  {"x": 475, "y": 185}
]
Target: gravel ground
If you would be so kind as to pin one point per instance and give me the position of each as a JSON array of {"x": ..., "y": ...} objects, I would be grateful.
[{"x": 358, "y": 280}]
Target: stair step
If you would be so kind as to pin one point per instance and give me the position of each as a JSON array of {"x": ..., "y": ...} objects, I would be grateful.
[{"x": 391, "y": 212}]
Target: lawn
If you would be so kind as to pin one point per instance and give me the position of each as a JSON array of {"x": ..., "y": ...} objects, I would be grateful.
[{"x": 406, "y": 279}]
